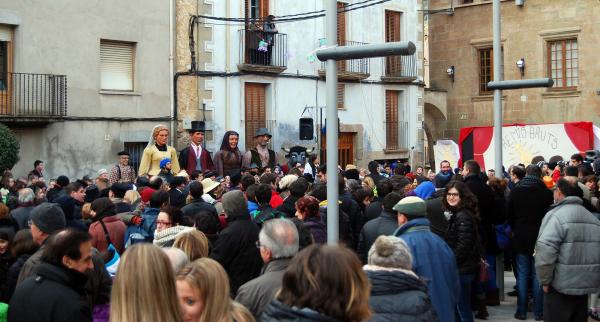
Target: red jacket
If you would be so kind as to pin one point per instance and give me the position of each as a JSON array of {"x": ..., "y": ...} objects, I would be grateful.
[
  {"x": 276, "y": 199},
  {"x": 116, "y": 231}
]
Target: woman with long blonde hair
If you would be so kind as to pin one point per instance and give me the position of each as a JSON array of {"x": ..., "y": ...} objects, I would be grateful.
[
  {"x": 156, "y": 151},
  {"x": 193, "y": 243},
  {"x": 203, "y": 292},
  {"x": 144, "y": 287}
]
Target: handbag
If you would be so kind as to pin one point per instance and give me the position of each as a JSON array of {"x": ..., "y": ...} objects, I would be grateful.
[
  {"x": 484, "y": 275},
  {"x": 111, "y": 255}
]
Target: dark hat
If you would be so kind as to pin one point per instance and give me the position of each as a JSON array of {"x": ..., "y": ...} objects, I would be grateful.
[
  {"x": 103, "y": 207},
  {"x": 234, "y": 203},
  {"x": 48, "y": 217},
  {"x": 62, "y": 181},
  {"x": 123, "y": 153},
  {"x": 91, "y": 193},
  {"x": 262, "y": 131},
  {"x": 197, "y": 126},
  {"x": 119, "y": 189},
  {"x": 209, "y": 174}
]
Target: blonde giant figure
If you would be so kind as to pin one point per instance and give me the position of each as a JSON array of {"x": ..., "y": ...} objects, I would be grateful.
[
  {"x": 156, "y": 151},
  {"x": 144, "y": 287}
]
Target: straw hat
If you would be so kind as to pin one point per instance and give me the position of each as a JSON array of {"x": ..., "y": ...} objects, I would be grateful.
[{"x": 209, "y": 185}]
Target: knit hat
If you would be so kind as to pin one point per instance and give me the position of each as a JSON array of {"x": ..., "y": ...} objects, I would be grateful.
[
  {"x": 390, "y": 200},
  {"x": 103, "y": 207},
  {"x": 411, "y": 207},
  {"x": 390, "y": 251},
  {"x": 234, "y": 203},
  {"x": 102, "y": 171},
  {"x": 164, "y": 162},
  {"x": 146, "y": 194},
  {"x": 286, "y": 181},
  {"x": 48, "y": 217}
]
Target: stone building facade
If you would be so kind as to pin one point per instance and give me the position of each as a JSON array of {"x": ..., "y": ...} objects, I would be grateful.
[{"x": 558, "y": 39}]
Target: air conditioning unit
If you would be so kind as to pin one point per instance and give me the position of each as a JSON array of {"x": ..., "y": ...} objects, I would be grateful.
[{"x": 520, "y": 3}]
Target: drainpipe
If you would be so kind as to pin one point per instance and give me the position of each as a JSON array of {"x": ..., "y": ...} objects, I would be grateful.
[
  {"x": 171, "y": 71},
  {"x": 227, "y": 62}
]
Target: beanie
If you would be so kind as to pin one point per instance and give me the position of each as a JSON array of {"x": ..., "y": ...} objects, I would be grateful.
[
  {"x": 411, "y": 207},
  {"x": 164, "y": 162},
  {"x": 390, "y": 200},
  {"x": 146, "y": 194},
  {"x": 390, "y": 251},
  {"x": 103, "y": 207},
  {"x": 234, "y": 203},
  {"x": 48, "y": 217}
]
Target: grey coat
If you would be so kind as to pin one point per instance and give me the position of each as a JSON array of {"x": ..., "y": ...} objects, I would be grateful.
[
  {"x": 567, "y": 252},
  {"x": 258, "y": 293}
]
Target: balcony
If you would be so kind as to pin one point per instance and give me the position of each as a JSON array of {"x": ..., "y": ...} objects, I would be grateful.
[
  {"x": 399, "y": 69},
  {"x": 262, "y": 52},
  {"x": 32, "y": 98},
  {"x": 350, "y": 70}
]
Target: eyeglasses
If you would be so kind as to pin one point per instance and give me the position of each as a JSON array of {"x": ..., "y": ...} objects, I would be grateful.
[
  {"x": 165, "y": 223},
  {"x": 452, "y": 194}
]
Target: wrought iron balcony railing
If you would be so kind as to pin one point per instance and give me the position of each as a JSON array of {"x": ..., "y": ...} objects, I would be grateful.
[
  {"x": 400, "y": 68},
  {"x": 262, "y": 51},
  {"x": 33, "y": 95}
]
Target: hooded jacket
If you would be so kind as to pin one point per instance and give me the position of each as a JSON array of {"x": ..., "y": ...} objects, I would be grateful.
[
  {"x": 279, "y": 312},
  {"x": 434, "y": 262},
  {"x": 398, "y": 295},
  {"x": 567, "y": 254},
  {"x": 235, "y": 249}
]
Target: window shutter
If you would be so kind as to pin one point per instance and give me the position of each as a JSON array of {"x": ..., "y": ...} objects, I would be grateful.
[
  {"x": 391, "y": 119},
  {"x": 5, "y": 33},
  {"x": 341, "y": 24},
  {"x": 116, "y": 65},
  {"x": 255, "y": 110},
  {"x": 392, "y": 34},
  {"x": 264, "y": 8},
  {"x": 341, "y": 91}
]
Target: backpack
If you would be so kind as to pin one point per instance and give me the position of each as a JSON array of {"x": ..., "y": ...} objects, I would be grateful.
[{"x": 136, "y": 234}]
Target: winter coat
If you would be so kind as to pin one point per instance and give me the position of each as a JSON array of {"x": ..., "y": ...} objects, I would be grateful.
[
  {"x": 276, "y": 199},
  {"x": 22, "y": 215},
  {"x": 177, "y": 198},
  {"x": 488, "y": 212},
  {"x": 56, "y": 294},
  {"x": 13, "y": 275},
  {"x": 236, "y": 250},
  {"x": 317, "y": 229},
  {"x": 384, "y": 225},
  {"x": 463, "y": 239},
  {"x": 527, "y": 205},
  {"x": 265, "y": 213},
  {"x": 305, "y": 237},
  {"x": 256, "y": 294},
  {"x": 435, "y": 213},
  {"x": 567, "y": 252},
  {"x": 434, "y": 262},
  {"x": 6, "y": 262},
  {"x": 345, "y": 229},
  {"x": 289, "y": 206},
  {"x": 195, "y": 207},
  {"x": 425, "y": 189},
  {"x": 355, "y": 215},
  {"x": 374, "y": 209},
  {"x": 279, "y": 312},
  {"x": 398, "y": 295},
  {"x": 116, "y": 231},
  {"x": 149, "y": 224}
]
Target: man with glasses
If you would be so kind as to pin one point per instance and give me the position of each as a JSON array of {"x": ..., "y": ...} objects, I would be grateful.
[{"x": 122, "y": 172}]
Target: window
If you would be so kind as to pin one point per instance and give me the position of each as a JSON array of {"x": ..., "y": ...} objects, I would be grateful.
[
  {"x": 486, "y": 69},
  {"x": 257, "y": 8},
  {"x": 341, "y": 91},
  {"x": 116, "y": 65},
  {"x": 563, "y": 63},
  {"x": 392, "y": 34},
  {"x": 5, "y": 69},
  {"x": 136, "y": 150},
  {"x": 396, "y": 126},
  {"x": 255, "y": 110}
]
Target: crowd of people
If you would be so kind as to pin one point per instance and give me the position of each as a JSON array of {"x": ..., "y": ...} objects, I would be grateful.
[{"x": 239, "y": 238}]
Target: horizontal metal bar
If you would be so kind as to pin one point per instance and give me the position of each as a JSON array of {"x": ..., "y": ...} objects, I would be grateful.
[
  {"x": 521, "y": 83},
  {"x": 403, "y": 48}
]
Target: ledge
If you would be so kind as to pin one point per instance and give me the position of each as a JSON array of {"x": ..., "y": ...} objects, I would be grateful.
[
  {"x": 561, "y": 94},
  {"x": 485, "y": 98},
  {"x": 347, "y": 76},
  {"x": 398, "y": 79},
  {"x": 261, "y": 68},
  {"x": 125, "y": 93},
  {"x": 395, "y": 150}
]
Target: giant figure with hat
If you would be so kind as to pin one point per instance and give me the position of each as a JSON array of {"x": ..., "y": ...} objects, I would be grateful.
[
  {"x": 261, "y": 154},
  {"x": 195, "y": 156}
]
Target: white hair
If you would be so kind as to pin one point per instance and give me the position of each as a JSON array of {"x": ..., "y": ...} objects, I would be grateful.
[
  {"x": 280, "y": 236},
  {"x": 177, "y": 257},
  {"x": 26, "y": 195}
]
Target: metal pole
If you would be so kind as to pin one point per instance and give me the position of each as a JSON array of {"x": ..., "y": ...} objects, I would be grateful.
[
  {"x": 498, "y": 123},
  {"x": 331, "y": 125}
]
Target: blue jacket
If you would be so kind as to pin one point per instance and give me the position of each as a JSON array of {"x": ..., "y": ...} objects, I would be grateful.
[
  {"x": 149, "y": 224},
  {"x": 434, "y": 262}
]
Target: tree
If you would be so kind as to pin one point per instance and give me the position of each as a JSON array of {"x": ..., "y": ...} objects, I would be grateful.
[{"x": 9, "y": 148}]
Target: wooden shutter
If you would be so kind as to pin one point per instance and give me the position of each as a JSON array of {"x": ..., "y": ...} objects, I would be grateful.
[
  {"x": 264, "y": 8},
  {"x": 392, "y": 34},
  {"x": 116, "y": 65},
  {"x": 255, "y": 110},
  {"x": 391, "y": 119},
  {"x": 341, "y": 33},
  {"x": 345, "y": 148},
  {"x": 341, "y": 91}
]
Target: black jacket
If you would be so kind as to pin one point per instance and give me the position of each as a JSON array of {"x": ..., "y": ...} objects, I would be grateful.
[
  {"x": 384, "y": 225},
  {"x": 398, "y": 296},
  {"x": 464, "y": 241},
  {"x": 209, "y": 223},
  {"x": 488, "y": 212},
  {"x": 527, "y": 204},
  {"x": 236, "y": 250},
  {"x": 55, "y": 294},
  {"x": 279, "y": 312},
  {"x": 435, "y": 213},
  {"x": 289, "y": 206},
  {"x": 374, "y": 209}
]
